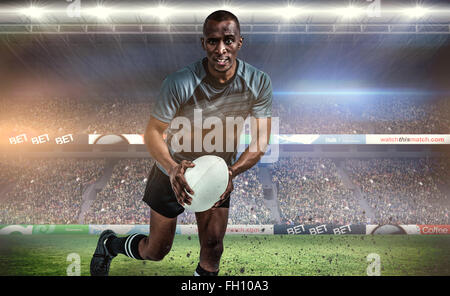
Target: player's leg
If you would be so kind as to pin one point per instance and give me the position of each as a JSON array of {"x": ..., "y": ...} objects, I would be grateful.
[
  {"x": 137, "y": 246},
  {"x": 164, "y": 209},
  {"x": 163, "y": 219},
  {"x": 212, "y": 225},
  {"x": 162, "y": 231}
]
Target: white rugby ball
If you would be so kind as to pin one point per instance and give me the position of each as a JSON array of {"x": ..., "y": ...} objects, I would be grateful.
[{"x": 209, "y": 180}]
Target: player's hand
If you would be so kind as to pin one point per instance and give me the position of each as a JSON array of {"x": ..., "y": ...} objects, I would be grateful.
[
  {"x": 227, "y": 193},
  {"x": 179, "y": 183}
]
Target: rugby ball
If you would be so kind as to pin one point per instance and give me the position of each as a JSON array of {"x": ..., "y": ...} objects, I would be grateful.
[{"x": 208, "y": 179}]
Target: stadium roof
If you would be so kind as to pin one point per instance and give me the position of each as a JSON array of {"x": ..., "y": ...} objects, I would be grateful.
[{"x": 256, "y": 17}]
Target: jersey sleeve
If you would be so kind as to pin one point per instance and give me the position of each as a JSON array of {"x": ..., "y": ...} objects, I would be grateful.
[
  {"x": 262, "y": 107},
  {"x": 167, "y": 102}
]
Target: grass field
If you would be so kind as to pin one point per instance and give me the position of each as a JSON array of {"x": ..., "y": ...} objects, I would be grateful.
[{"x": 243, "y": 255}]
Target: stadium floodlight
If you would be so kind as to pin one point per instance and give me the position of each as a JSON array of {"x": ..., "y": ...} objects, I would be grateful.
[
  {"x": 416, "y": 12},
  {"x": 32, "y": 12},
  {"x": 288, "y": 12},
  {"x": 284, "y": 12},
  {"x": 350, "y": 11},
  {"x": 161, "y": 11},
  {"x": 100, "y": 12}
]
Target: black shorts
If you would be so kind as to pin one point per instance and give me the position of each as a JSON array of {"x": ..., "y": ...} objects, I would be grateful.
[{"x": 160, "y": 196}]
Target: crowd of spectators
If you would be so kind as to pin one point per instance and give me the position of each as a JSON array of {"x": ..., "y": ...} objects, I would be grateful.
[
  {"x": 62, "y": 116},
  {"x": 310, "y": 191},
  {"x": 247, "y": 201},
  {"x": 47, "y": 191},
  {"x": 120, "y": 201},
  {"x": 38, "y": 116},
  {"x": 353, "y": 115},
  {"x": 297, "y": 115},
  {"x": 403, "y": 191},
  {"x": 120, "y": 116},
  {"x": 8, "y": 172}
]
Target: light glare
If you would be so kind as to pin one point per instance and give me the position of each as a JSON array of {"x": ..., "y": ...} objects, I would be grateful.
[
  {"x": 350, "y": 12},
  {"x": 33, "y": 12},
  {"x": 100, "y": 12},
  {"x": 288, "y": 12},
  {"x": 416, "y": 12},
  {"x": 162, "y": 12}
]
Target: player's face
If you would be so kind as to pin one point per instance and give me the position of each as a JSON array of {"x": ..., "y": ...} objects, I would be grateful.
[{"x": 221, "y": 41}]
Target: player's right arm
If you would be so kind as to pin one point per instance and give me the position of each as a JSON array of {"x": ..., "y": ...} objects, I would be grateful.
[{"x": 158, "y": 149}]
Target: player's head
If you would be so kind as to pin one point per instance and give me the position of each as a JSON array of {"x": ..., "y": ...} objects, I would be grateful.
[
  {"x": 221, "y": 15},
  {"x": 221, "y": 40}
]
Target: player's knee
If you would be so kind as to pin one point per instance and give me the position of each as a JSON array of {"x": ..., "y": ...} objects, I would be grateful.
[
  {"x": 214, "y": 245},
  {"x": 156, "y": 253},
  {"x": 162, "y": 252}
]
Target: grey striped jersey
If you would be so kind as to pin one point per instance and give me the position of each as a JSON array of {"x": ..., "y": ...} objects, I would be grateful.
[{"x": 192, "y": 95}]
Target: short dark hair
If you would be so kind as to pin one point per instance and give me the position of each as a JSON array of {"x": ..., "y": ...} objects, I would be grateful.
[{"x": 221, "y": 15}]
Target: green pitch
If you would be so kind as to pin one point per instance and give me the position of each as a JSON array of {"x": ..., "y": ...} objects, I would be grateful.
[{"x": 243, "y": 255}]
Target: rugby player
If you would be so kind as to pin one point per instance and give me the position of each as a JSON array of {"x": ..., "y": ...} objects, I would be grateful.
[{"x": 219, "y": 85}]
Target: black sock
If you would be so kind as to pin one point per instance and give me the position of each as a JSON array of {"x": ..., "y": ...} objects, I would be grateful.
[
  {"x": 201, "y": 272},
  {"x": 128, "y": 245}
]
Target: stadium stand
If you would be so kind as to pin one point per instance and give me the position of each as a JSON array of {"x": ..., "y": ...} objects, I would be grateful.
[
  {"x": 310, "y": 190},
  {"x": 47, "y": 190},
  {"x": 120, "y": 201},
  {"x": 298, "y": 115},
  {"x": 403, "y": 191}
]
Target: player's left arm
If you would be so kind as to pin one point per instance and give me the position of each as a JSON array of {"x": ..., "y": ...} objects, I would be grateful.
[
  {"x": 260, "y": 127},
  {"x": 256, "y": 149}
]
